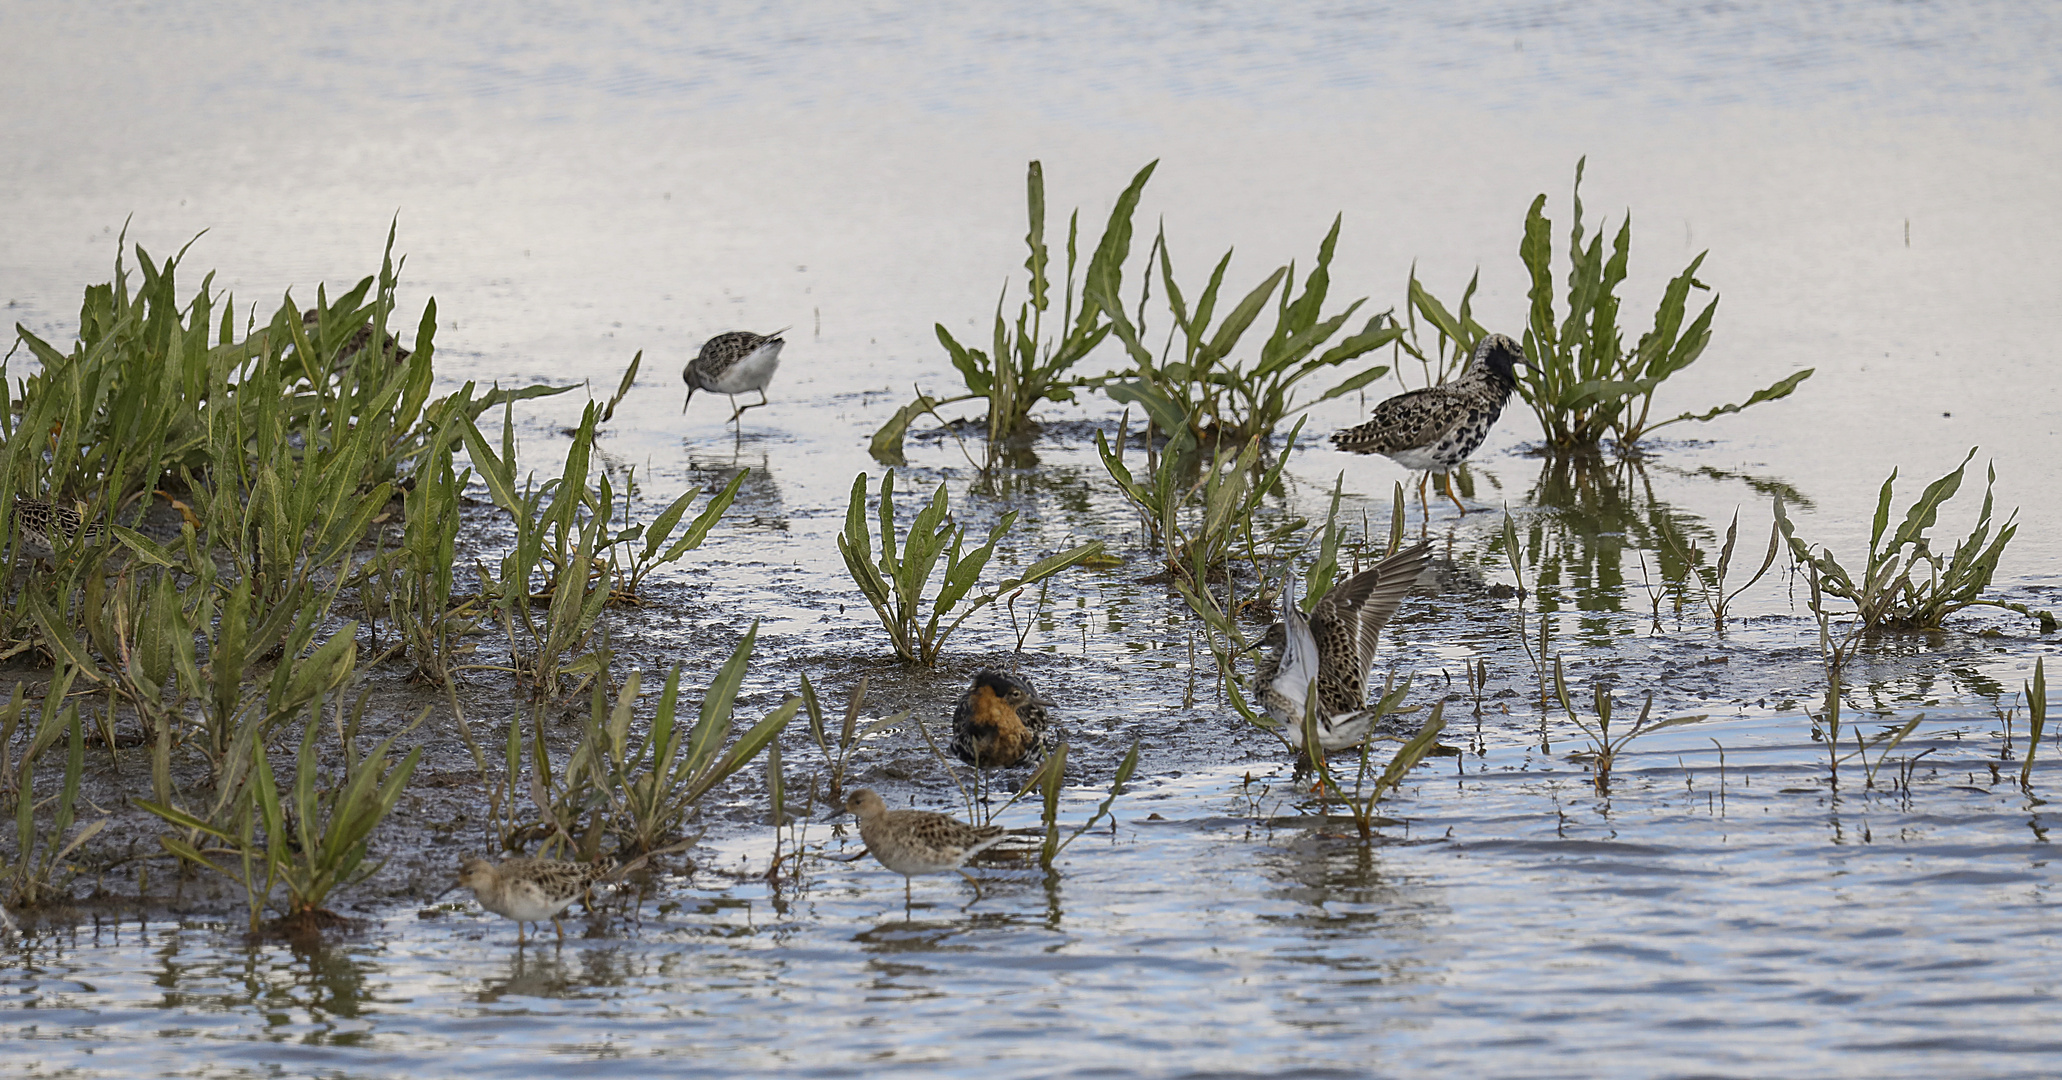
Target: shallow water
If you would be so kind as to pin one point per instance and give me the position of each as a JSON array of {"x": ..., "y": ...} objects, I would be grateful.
[
  {"x": 1874, "y": 183},
  {"x": 1753, "y": 924}
]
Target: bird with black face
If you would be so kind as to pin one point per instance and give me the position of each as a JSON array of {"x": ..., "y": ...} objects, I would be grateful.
[
  {"x": 1437, "y": 427},
  {"x": 1000, "y": 722}
]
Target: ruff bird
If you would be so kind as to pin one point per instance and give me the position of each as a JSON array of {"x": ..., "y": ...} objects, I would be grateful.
[
  {"x": 1334, "y": 648},
  {"x": 1436, "y": 428},
  {"x": 912, "y": 842},
  {"x": 52, "y": 525},
  {"x": 527, "y": 890},
  {"x": 1000, "y": 721}
]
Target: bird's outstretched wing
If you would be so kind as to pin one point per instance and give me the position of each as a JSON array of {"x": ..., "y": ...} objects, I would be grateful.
[{"x": 1362, "y": 605}]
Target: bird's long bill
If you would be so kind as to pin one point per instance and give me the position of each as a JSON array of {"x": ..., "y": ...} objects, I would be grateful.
[
  {"x": 690, "y": 398},
  {"x": 448, "y": 890}
]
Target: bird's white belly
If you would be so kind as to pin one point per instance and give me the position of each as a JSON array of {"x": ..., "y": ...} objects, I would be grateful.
[
  {"x": 1420, "y": 458},
  {"x": 526, "y": 902},
  {"x": 751, "y": 373}
]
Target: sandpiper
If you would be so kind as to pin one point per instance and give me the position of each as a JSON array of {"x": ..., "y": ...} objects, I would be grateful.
[
  {"x": 1334, "y": 646},
  {"x": 42, "y": 524},
  {"x": 731, "y": 364},
  {"x": 527, "y": 890},
  {"x": 912, "y": 842},
  {"x": 1436, "y": 428},
  {"x": 1000, "y": 722},
  {"x": 359, "y": 338}
]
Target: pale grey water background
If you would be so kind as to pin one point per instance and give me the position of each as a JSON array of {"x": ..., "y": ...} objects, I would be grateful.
[{"x": 575, "y": 186}]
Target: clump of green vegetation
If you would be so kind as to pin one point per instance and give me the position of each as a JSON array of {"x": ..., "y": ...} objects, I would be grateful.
[
  {"x": 642, "y": 791},
  {"x": 894, "y": 580},
  {"x": 1369, "y": 788},
  {"x": 1023, "y": 366},
  {"x": 283, "y": 447},
  {"x": 1604, "y": 746},
  {"x": 1903, "y": 584},
  {"x": 39, "y": 870},
  {"x": 1586, "y": 385},
  {"x": 1195, "y": 503},
  {"x": 1200, "y": 389},
  {"x": 565, "y": 555},
  {"x": 313, "y": 840}
]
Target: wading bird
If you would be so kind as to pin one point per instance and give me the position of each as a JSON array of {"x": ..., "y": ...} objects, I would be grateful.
[
  {"x": 527, "y": 890},
  {"x": 1436, "y": 428},
  {"x": 731, "y": 364},
  {"x": 1335, "y": 648},
  {"x": 1000, "y": 722},
  {"x": 912, "y": 842}
]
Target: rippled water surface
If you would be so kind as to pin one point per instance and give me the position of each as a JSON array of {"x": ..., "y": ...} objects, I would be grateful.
[{"x": 1875, "y": 183}]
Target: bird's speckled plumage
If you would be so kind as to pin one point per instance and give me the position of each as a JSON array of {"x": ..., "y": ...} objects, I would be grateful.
[
  {"x": 912, "y": 842},
  {"x": 1000, "y": 721},
  {"x": 42, "y": 524},
  {"x": 1436, "y": 428},
  {"x": 1335, "y": 646},
  {"x": 731, "y": 364},
  {"x": 358, "y": 340},
  {"x": 527, "y": 890}
]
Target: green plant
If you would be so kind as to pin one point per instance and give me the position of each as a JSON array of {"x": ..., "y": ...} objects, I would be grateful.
[
  {"x": 39, "y": 871},
  {"x": 1201, "y": 389},
  {"x": 2037, "y": 717},
  {"x": 1458, "y": 332},
  {"x": 850, "y": 731},
  {"x": 566, "y": 541},
  {"x": 1604, "y": 746},
  {"x": 1903, "y": 584},
  {"x": 1716, "y": 596},
  {"x": 630, "y": 565},
  {"x": 1367, "y": 795},
  {"x": 311, "y": 839},
  {"x": 895, "y": 580},
  {"x": 1196, "y": 505},
  {"x": 1048, "y": 781},
  {"x": 414, "y": 584},
  {"x": 1585, "y": 384},
  {"x": 1024, "y": 366},
  {"x": 643, "y": 790}
]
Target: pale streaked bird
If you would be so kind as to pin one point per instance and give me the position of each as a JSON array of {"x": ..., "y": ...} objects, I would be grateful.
[
  {"x": 912, "y": 842},
  {"x": 731, "y": 364},
  {"x": 1335, "y": 648},
  {"x": 527, "y": 890}
]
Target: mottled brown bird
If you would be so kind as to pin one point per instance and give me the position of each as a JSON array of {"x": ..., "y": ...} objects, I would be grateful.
[
  {"x": 731, "y": 364},
  {"x": 527, "y": 890},
  {"x": 912, "y": 842},
  {"x": 1436, "y": 428},
  {"x": 49, "y": 525},
  {"x": 1000, "y": 721},
  {"x": 1335, "y": 646},
  {"x": 359, "y": 339}
]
